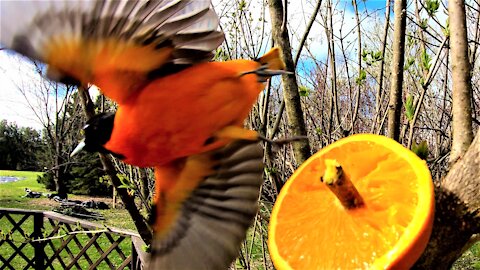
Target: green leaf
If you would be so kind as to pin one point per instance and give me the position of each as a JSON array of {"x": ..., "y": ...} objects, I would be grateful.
[
  {"x": 303, "y": 91},
  {"x": 421, "y": 149},
  {"x": 425, "y": 61},
  {"x": 361, "y": 77},
  {"x": 124, "y": 186},
  {"x": 270, "y": 170},
  {"x": 446, "y": 29},
  {"x": 370, "y": 57},
  {"x": 424, "y": 24},
  {"x": 431, "y": 6},
  {"x": 410, "y": 61},
  {"x": 422, "y": 81},
  {"x": 241, "y": 5},
  {"x": 146, "y": 248},
  {"x": 409, "y": 108},
  {"x": 410, "y": 40},
  {"x": 125, "y": 182}
]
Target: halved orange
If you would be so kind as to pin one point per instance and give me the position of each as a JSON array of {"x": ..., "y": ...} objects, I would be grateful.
[{"x": 311, "y": 229}]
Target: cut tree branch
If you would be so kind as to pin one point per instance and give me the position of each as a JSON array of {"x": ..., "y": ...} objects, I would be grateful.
[{"x": 457, "y": 213}]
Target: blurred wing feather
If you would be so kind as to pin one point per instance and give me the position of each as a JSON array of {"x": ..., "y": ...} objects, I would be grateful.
[
  {"x": 213, "y": 221},
  {"x": 90, "y": 38}
]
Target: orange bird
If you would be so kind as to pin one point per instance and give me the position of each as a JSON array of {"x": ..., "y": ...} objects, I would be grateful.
[{"x": 177, "y": 111}]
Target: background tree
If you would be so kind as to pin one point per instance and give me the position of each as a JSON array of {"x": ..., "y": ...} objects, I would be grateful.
[
  {"x": 20, "y": 147},
  {"x": 57, "y": 108},
  {"x": 281, "y": 39},
  {"x": 395, "y": 104},
  {"x": 461, "y": 81},
  {"x": 457, "y": 200}
]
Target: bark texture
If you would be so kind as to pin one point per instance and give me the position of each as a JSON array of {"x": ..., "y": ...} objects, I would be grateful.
[
  {"x": 461, "y": 80},
  {"x": 457, "y": 213},
  {"x": 296, "y": 121},
  {"x": 395, "y": 103},
  {"x": 379, "y": 94}
]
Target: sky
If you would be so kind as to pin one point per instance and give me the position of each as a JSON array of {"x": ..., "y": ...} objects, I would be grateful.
[
  {"x": 16, "y": 72},
  {"x": 22, "y": 100}
]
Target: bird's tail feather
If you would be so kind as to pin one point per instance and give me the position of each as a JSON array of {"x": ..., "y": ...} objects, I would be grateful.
[
  {"x": 272, "y": 60},
  {"x": 271, "y": 64}
]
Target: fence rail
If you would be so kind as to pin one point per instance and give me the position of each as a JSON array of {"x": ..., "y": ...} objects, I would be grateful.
[{"x": 48, "y": 240}]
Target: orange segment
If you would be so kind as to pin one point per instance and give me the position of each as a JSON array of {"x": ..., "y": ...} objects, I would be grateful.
[{"x": 310, "y": 229}]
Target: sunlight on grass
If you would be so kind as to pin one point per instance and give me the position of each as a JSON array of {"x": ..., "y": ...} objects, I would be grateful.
[
  {"x": 11, "y": 193},
  {"x": 11, "y": 197},
  {"x": 74, "y": 246},
  {"x": 470, "y": 260}
]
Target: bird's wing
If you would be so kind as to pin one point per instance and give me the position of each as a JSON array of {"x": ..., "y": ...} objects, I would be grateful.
[
  {"x": 206, "y": 229},
  {"x": 90, "y": 40}
]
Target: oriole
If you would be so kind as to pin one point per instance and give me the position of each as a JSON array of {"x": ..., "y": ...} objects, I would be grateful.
[{"x": 177, "y": 111}]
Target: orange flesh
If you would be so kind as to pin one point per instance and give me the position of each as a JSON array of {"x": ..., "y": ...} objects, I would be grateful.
[{"x": 313, "y": 230}]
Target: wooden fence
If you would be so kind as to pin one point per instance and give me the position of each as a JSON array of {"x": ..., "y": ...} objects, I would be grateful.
[{"x": 48, "y": 240}]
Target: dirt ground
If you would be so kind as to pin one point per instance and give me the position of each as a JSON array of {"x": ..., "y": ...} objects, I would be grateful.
[{"x": 51, "y": 203}]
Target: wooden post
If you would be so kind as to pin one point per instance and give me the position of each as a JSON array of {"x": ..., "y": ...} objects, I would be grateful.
[
  {"x": 39, "y": 258},
  {"x": 114, "y": 203},
  {"x": 139, "y": 256},
  {"x": 133, "y": 263}
]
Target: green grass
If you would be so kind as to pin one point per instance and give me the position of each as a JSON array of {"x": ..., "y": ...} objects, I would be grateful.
[
  {"x": 470, "y": 260},
  {"x": 74, "y": 246},
  {"x": 11, "y": 193},
  {"x": 11, "y": 197}
]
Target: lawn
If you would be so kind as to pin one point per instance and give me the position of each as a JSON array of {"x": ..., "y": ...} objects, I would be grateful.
[
  {"x": 11, "y": 193},
  {"x": 470, "y": 260},
  {"x": 11, "y": 197}
]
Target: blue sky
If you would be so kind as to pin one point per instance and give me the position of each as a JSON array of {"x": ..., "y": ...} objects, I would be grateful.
[
  {"x": 370, "y": 5},
  {"x": 14, "y": 69}
]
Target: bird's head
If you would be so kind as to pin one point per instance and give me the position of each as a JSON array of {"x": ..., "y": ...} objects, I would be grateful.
[{"x": 97, "y": 132}]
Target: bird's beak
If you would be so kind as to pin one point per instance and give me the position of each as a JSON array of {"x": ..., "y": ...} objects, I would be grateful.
[{"x": 79, "y": 148}]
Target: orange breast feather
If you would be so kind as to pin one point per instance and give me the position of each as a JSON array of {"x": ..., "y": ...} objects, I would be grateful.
[{"x": 176, "y": 115}]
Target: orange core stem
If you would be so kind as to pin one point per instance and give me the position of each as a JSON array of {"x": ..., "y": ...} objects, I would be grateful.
[{"x": 341, "y": 186}]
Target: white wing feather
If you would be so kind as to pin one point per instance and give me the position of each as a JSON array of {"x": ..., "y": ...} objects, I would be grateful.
[{"x": 28, "y": 26}]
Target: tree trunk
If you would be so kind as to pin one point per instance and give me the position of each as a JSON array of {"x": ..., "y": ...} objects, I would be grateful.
[
  {"x": 461, "y": 81},
  {"x": 58, "y": 172},
  {"x": 379, "y": 92},
  {"x": 457, "y": 213},
  {"x": 333, "y": 64},
  {"x": 395, "y": 104},
  {"x": 359, "y": 59},
  {"x": 293, "y": 105},
  {"x": 144, "y": 183}
]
